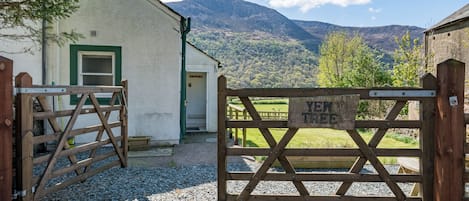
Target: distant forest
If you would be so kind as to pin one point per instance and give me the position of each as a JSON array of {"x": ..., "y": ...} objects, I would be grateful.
[{"x": 252, "y": 60}]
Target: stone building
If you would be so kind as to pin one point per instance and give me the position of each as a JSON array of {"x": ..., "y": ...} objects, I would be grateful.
[{"x": 448, "y": 39}]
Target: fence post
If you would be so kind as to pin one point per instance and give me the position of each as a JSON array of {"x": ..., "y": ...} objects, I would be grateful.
[
  {"x": 123, "y": 120},
  {"x": 24, "y": 138},
  {"x": 230, "y": 116},
  {"x": 221, "y": 157},
  {"x": 6, "y": 123},
  {"x": 236, "y": 129},
  {"x": 450, "y": 132},
  {"x": 427, "y": 137},
  {"x": 245, "y": 117}
]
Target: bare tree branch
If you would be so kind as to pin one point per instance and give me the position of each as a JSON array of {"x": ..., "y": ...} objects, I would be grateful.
[{"x": 22, "y": 19}]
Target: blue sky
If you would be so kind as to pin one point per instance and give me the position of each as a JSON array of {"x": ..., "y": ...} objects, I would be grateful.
[{"x": 422, "y": 13}]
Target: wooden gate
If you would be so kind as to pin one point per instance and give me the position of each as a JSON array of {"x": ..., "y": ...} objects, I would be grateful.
[
  {"x": 430, "y": 179},
  {"x": 40, "y": 174}
]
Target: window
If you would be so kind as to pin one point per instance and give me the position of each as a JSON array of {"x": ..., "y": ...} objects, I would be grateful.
[{"x": 95, "y": 66}]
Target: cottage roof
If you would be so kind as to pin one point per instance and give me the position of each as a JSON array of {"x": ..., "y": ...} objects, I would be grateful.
[
  {"x": 170, "y": 9},
  {"x": 166, "y": 9},
  {"x": 459, "y": 15},
  {"x": 210, "y": 56}
]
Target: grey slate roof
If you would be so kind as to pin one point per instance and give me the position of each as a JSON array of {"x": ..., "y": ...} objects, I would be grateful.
[{"x": 460, "y": 14}]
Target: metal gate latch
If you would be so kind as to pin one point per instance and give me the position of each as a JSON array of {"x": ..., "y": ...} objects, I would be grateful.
[{"x": 453, "y": 101}]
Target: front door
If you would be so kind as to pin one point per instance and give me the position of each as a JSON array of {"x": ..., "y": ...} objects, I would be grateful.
[{"x": 196, "y": 101}]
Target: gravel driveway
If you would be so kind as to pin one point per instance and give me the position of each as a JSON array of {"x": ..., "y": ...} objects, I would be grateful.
[{"x": 193, "y": 182}]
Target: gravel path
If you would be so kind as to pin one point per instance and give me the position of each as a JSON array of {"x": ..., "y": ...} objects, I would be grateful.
[{"x": 197, "y": 182}]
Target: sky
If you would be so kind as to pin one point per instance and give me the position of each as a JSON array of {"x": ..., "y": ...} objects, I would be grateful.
[{"x": 365, "y": 13}]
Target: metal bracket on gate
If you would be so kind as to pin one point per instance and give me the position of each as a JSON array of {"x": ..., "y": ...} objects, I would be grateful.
[
  {"x": 402, "y": 93},
  {"x": 22, "y": 193},
  {"x": 17, "y": 194},
  {"x": 39, "y": 90}
]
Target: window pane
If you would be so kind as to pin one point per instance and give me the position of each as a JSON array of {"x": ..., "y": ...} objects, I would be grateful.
[
  {"x": 97, "y": 63},
  {"x": 97, "y": 80}
]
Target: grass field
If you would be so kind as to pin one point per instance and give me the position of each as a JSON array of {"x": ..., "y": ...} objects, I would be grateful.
[
  {"x": 322, "y": 138},
  {"x": 272, "y": 108},
  {"x": 327, "y": 138},
  {"x": 270, "y": 105},
  {"x": 319, "y": 137}
]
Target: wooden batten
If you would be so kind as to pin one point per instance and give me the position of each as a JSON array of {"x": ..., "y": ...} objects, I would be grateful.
[
  {"x": 237, "y": 151},
  {"x": 64, "y": 113},
  {"x": 334, "y": 177},
  {"x": 73, "y": 133}
]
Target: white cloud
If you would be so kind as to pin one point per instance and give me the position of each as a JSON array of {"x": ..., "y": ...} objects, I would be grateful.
[
  {"x": 373, "y": 18},
  {"x": 306, "y": 5},
  {"x": 374, "y": 10},
  {"x": 167, "y": 1}
]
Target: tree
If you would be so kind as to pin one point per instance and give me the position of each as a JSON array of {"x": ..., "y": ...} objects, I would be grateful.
[
  {"x": 368, "y": 70},
  {"x": 408, "y": 61},
  {"x": 346, "y": 61},
  {"x": 23, "y": 20}
]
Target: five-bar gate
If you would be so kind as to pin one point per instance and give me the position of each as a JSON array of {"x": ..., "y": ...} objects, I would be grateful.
[
  {"x": 38, "y": 174},
  {"x": 440, "y": 119}
]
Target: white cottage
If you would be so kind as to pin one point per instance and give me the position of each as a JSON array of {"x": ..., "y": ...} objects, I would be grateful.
[
  {"x": 201, "y": 113},
  {"x": 143, "y": 41}
]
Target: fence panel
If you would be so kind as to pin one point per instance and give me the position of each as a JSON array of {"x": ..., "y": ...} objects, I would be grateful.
[
  {"x": 365, "y": 152},
  {"x": 63, "y": 164}
]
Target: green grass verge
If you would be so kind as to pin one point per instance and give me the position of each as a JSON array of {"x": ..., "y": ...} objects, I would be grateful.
[
  {"x": 327, "y": 138},
  {"x": 272, "y": 108}
]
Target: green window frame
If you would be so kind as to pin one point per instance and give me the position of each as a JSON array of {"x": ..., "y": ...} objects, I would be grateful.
[{"x": 75, "y": 51}]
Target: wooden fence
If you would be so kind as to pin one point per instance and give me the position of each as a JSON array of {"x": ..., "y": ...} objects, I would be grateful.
[
  {"x": 441, "y": 161},
  {"x": 40, "y": 174},
  {"x": 239, "y": 113},
  {"x": 6, "y": 125}
]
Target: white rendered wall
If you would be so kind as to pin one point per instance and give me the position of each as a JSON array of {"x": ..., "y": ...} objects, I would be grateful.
[
  {"x": 151, "y": 61},
  {"x": 30, "y": 62}
]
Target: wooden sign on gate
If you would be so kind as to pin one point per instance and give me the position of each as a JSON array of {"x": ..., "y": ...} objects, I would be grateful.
[{"x": 336, "y": 112}]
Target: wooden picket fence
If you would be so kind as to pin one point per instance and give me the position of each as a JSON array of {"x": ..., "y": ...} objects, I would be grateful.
[
  {"x": 440, "y": 153},
  {"x": 39, "y": 174},
  {"x": 239, "y": 113}
]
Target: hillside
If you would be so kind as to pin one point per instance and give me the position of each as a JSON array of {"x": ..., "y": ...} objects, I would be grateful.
[
  {"x": 241, "y": 16},
  {"x": 252, "y": 61},
  {"x": 259, "y": 47},
  {"x": 381, "y": 38}
]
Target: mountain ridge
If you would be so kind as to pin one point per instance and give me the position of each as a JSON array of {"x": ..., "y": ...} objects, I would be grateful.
[
  {"x": 242, "y": 16},
  {"x": 260, "y": 47},
  {"x": 381, "y": 37}
]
